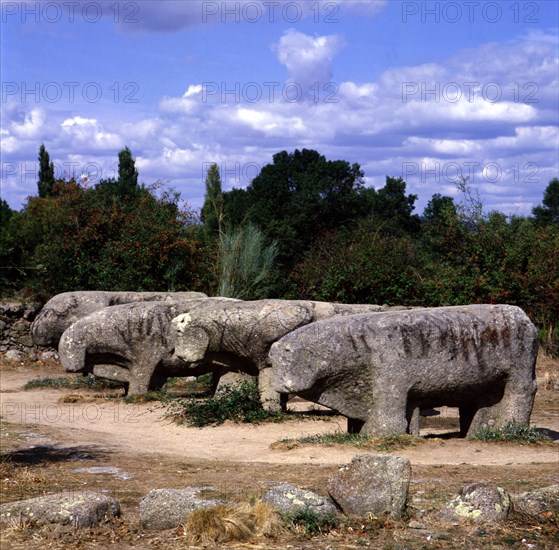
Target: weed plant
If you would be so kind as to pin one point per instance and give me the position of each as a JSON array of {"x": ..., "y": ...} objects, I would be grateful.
[
  {"x": 239, "y": 403},
  {"x": 512, "y": 431},
  {"x": 311, "y": 522}
]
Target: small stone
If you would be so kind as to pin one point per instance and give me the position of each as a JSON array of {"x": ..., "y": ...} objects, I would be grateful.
[
  {"x": 169, "y": 508},
  {"x": 413, "y": 524},
  {"x": 539, "y": 501},
  {"x": 79, "y": 508},
  {"x": 288, "y": 499},
  {"x": 14, "y": 356},
  {"x": 49, "y": 355},
  {"x": 478, "y": 502}
]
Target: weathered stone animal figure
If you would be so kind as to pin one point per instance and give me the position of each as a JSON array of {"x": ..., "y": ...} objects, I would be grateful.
[
  {"x": 129, "y": 343},
  {"x": 238, "y": 335},
  {"x": 64, "y": 309},
  {"x": 379, "y": 368}
]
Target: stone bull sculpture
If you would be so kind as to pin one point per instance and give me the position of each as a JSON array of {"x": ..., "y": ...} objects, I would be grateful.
[
  {"x": 129, "y": 343},
  {"x": 378, "y": 369},
  {"x": 65, "y": 309},
  {"x": 238, "y": 335}
]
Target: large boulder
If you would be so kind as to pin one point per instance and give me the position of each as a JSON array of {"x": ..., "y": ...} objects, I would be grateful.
[
  {"x": 239, "y": 334},
  {"x": 379, "y": 368},
  {"x": 61, "y": 311},
  {"x": 169, "y": 508},
  {"x": 129, "y": 343},
  {"x": 480, "y": 502},
  {"x": 372, "y": 485},
  {"x": 78, "y": 508}
]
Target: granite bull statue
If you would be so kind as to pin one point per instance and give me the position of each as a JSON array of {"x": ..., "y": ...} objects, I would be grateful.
[
  {"x": 378, "y": 369},
  {"x": 238, "y": 335},
  {"x": 63, "y": 310},
  {"x": 130, "y": 343}
]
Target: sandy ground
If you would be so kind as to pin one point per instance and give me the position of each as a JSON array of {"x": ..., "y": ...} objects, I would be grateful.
[
  {"x": 141, "y": 428},
  {"x": 124, "y": 450}
]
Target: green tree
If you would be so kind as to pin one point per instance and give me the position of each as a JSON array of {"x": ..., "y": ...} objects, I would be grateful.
[
  {"x": 438, "y": 209},
  {"x": 97, "y": 238},
  {"x": 541, "y": 285},
  {"x": 125, "y": 189},
  {"x": 45, "y": 184},
  {"x": 6, "y": 214},
  {"x": 212, "y": 210},
  {"x": 393, "y": 208},
  {"x": 127, "y": 172},
  {"x": 361, "y": 265},
  {"x": 296, "y": 198},
  {"x": 548, "y": 211}
]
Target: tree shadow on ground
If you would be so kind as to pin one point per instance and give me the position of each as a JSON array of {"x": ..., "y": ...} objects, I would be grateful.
[{"x": 53, "y": 453}]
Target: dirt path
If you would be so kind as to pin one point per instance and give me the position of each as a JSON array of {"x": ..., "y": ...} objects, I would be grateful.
[{"x": 141, "y": 429}]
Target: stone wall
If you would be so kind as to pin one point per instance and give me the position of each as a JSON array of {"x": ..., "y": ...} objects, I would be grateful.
[{"x": 15, "y": 331}]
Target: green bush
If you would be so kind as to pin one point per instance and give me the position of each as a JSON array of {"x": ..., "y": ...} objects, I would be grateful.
[
  {"x": 239, "y": 403},
  {"x": 513, "y": 431},
  {"x": 312, "y": 522}
]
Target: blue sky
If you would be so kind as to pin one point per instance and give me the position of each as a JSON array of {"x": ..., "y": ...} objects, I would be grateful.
[{"x": 427, "y": 91}]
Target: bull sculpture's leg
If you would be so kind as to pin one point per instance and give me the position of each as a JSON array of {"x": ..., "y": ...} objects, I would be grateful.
[
  {"x": 388, "y": 411},
  {"x": 412, "y": 417},
  {"x": 140, "y": 382},
  {"x": 513, "y": 404},
  {"x": 519, "y": 393},
  {"x": 142, "y": 368},
  {"x": 271, "y": 399}
]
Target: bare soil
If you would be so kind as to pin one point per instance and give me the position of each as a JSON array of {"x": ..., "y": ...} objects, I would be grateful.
[{"x": 49, "y": 434}]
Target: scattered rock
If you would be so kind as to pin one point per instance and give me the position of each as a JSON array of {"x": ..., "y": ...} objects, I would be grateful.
[
  {"x": 14, "y": 356},
  {"x": 414, "y": 524},
  {"x": 168, "y": 508},
  {"x": 372, "y": 484},
  {"x": 478, "y": 502},
  {"x": 78, "y": 508},
  {"x": 539, "y": 501},
  {"x": 49, "y": 355},
  {"x": 289, "y": 499}
]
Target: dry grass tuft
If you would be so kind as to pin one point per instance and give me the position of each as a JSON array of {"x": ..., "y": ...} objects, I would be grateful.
[
  {"x": 266, "y": 520},
  {"x": 16, "y": 526},
  {"x": 79, "y": 398},
  {"x": 223, "y": 523},
  {"x": 219, "y": 523}
]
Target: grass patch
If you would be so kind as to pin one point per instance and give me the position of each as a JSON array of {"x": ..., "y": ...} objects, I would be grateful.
[
  {"x": 89, "y": 381},
  {"x": 513, "y": 431},
  {"x": 310, "y": 522},
  {"x": 387, "y": 443},
  {"x": 239, "y": 403}
]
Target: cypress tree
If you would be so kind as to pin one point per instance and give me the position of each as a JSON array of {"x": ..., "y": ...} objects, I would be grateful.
[{"x": 46, "y": 173}]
